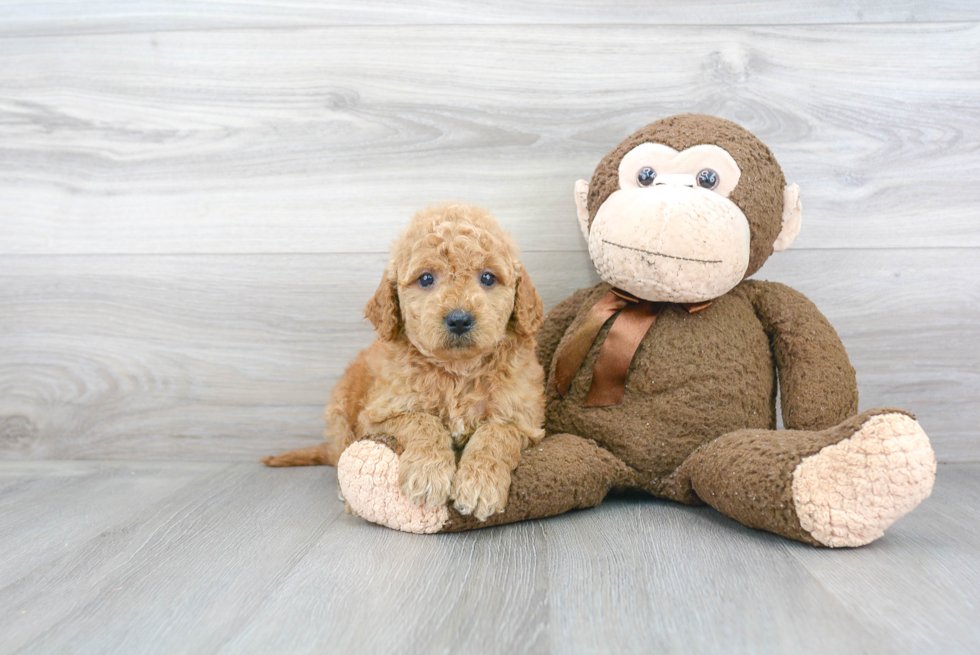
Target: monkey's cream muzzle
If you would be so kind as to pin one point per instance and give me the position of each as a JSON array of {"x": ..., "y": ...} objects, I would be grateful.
[{"x": 670, "y": 242}]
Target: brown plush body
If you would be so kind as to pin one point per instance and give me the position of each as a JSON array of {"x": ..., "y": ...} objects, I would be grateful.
[
  {"x": 697, "y": 418},
  {"x": 695, "y": 378},
  {"x": 698, "y": 376}
]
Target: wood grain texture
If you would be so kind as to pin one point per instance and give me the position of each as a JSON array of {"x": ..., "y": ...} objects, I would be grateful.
[
  {"x": 232, "y": 357},
  {"x": 485, "y": 592},
  {"x": 654, "y": 591},
  {"x": 246, "y": 559},
  {"x": 24, "y": 18},
  {"x": 878, "y": 584},
  {"x": 46, "y": 509},
  {"x": 185, "y": 570},
  {"x": 319, "y": 140},
  {"x": 157, "y": 162},
  {"x": 222, "y": 357}
]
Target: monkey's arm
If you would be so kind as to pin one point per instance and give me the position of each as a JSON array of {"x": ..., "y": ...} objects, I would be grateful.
[
  {"x": 555, "y": 325},
  {"x": 816, "y": 380}
]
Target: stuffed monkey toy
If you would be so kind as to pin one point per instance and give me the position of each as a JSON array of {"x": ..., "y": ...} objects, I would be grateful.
[{"x": 663, "y": 377}]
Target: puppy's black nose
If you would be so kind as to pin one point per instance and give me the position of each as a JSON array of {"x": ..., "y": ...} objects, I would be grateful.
[{"x": 459, "y": 322}]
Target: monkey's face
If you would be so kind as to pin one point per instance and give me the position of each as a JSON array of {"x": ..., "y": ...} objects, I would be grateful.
[
  {"x": 685, "y": 208},
  {"x": 670, "y": 232}
]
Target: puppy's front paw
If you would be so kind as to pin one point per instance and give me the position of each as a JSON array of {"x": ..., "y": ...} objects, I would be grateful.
[
  {"x": 480, "y": 488},
  {"x": 425, "y": 477}
]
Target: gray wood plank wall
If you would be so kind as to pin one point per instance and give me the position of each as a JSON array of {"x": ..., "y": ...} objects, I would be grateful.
[{"x": 196, "y": 198}]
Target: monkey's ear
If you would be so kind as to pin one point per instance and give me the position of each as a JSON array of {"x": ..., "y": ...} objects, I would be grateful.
[
  {"x": 383, "y": 310},
  {"x": 792, "y": 218},
  {"x": 528, "y": 309},
  {"x": 582, "y": 204}
]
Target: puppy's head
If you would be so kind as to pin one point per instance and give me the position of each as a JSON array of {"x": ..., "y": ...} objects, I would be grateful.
[{"x": 454, "y": 286}]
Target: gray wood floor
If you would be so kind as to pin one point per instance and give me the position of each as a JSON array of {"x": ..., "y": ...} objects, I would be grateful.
[{"x": 121, "y": 557}]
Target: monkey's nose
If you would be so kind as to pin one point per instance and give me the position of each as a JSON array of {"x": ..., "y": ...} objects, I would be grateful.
[
  {"x": 679, "y": 179},
  {"x": 459, "y": 322}
]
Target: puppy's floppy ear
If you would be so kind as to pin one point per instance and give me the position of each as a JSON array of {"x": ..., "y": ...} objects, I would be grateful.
[
  {"x": 528, "y": 309},
  {"x": 383, "y": 310}
]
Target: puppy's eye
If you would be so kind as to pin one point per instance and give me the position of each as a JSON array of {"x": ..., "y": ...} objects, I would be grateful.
[
  {"x": 646, "y": 176},
  {"x": 426, "y": 280},
  {"x": 488, "y": 279},
  {"x": 708, "y": 179}
]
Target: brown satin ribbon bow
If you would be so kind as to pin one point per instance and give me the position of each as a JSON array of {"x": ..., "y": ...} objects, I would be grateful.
[{"x": 635, "y": 316}]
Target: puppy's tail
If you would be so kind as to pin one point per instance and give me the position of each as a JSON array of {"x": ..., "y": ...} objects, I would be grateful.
[{"x": 312, "y": 456}]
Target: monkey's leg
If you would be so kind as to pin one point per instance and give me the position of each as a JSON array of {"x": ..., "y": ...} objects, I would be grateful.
[
  {"x": 561, "y": 473},
  {"x": 838, "y": 487}
]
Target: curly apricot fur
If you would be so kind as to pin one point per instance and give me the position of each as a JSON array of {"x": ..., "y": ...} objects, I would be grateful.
[{"x": 437, "y": 393}]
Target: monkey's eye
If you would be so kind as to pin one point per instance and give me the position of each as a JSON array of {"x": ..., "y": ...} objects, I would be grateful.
[
  {"x": 646, "y": 176},
  {"x": 707, "y": 179},
  {"x": 426, "y": 280},
  {"x": 488, "y": 279}
]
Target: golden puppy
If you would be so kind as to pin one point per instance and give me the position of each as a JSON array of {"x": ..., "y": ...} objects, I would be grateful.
[{"x": 453, "y": 367}]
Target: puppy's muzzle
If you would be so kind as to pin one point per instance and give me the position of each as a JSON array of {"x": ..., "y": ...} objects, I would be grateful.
[{"x": 459, "y": 322}]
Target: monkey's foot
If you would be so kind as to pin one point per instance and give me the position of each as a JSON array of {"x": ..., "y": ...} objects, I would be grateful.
[
  {"x": 368, "y": 474},
  {"x": 848, "y": 493}
]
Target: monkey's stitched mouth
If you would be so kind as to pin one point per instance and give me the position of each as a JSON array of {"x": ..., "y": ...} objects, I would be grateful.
[{"x": 660, "y": 254}]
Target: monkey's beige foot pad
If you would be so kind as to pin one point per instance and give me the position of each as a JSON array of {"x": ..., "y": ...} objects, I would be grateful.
[
  {"x": 368, "y": 474},
  {"x": 848, "y": 493}
]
